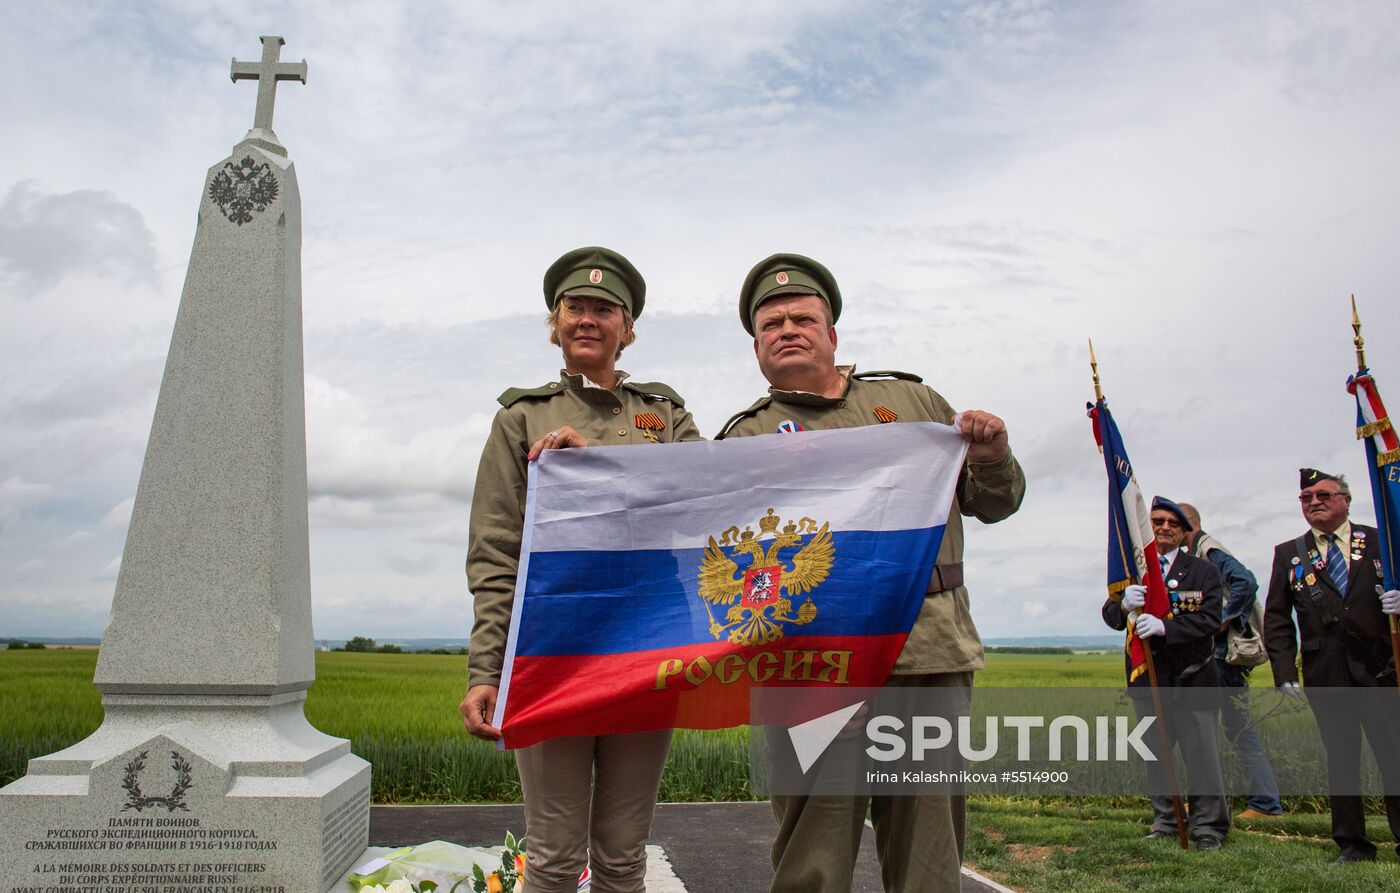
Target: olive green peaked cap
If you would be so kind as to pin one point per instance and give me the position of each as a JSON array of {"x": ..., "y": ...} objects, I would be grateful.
[
  {"x": 598, "y": 273},
  {"x": 786, "y": 274}
]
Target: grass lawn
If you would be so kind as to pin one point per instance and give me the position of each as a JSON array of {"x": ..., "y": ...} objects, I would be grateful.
[{"x": 1038, "y": 848}]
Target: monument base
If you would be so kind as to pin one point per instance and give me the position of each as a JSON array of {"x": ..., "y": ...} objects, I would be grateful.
[{"x": 185, "y": 793}]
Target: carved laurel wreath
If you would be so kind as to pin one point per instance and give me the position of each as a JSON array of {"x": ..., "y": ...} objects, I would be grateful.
[{"x": 131, "y": 783}]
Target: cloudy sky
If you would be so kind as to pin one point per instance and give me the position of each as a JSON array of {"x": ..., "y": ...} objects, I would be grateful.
[{"x": 1196, "y": 186}]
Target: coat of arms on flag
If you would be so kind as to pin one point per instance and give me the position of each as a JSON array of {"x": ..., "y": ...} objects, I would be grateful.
[{"x": 756, "y": 594}]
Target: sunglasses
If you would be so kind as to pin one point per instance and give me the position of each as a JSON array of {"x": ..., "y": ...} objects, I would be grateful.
[{"x": 1317, "y": 497}]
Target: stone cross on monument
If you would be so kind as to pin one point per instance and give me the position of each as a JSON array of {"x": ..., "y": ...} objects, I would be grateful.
[
  {"x": 205, "y": 772},
  {"x": 267, "y": 73}
]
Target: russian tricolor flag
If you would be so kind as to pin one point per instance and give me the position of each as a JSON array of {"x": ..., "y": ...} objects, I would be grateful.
[{"x": 658, "y": 584}]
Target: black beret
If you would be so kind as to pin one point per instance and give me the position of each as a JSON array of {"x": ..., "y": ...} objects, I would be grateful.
[
  {"x": 1166, "y": 505},
  {"x": 1309, "y": 476}
]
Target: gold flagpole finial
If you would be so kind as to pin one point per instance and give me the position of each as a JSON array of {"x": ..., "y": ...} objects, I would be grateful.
[
  {"x": 1094, "y": 365},
  {"x": 1358, "y": 340}
]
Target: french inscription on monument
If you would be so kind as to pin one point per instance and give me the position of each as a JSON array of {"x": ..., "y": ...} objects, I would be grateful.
[{"x": 158, "y": 823}]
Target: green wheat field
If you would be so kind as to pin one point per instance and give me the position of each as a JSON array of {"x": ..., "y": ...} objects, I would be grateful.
[{"x": 400, "y": 713}]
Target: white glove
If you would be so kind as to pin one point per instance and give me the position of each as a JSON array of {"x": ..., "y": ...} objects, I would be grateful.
[
  {"x": 1149, "y": 625},
  {"x": 1390, "y": 601},
  {"x": 1134, "y": 598},
  {"x": 1291, "y": 689}
]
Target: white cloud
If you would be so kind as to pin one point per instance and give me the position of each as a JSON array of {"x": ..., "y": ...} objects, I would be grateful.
[
  {"x": 45, "y": 237},
  {"x": 110, "y": 569},
  {"x": 17, "y": 495},
  {"x": 117, "y": 517}
]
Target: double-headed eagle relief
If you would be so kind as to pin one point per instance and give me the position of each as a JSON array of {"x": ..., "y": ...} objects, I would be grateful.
[
  {"x": 755, "y": 593},
  {"x": 241, "y": 189}
]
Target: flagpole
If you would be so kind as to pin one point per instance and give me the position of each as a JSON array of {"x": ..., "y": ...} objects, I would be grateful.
[
  {"x": 1360, "y": 366},
  {"x": 1177, "y": 808}
]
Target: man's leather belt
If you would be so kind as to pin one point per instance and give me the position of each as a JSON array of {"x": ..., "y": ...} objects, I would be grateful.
[{"x": 945, "y": 577}]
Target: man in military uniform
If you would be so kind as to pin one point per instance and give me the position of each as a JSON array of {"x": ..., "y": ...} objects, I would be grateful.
[
  {"x": 1183, "y": 657},
  {"x": 790, "y": 304},
  {"x": 1330, "y": 577}
]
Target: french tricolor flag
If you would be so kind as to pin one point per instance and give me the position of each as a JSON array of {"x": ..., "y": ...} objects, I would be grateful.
[
  {"x": 659, "y": 584},
  {"x": 1132, "y": 549}
]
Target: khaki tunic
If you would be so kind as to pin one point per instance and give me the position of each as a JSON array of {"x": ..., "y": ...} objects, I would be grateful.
[
  {"x": 605, "y": 418},
  {"x": 944, "y": 639}
]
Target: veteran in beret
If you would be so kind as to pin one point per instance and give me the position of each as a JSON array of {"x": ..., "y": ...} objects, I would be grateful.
[
  {"x": 1183, "y": 656},
  {"x": 588, "y": 800},
  {"x": 789, "y": 304},
  {"x": 1329, "y": 579}
]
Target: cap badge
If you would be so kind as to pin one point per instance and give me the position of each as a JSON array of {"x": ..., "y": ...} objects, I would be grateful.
[
  {"x": 885, "y": 414},
  {"x": 788, "y": 426},
  {"x": 595, "y": 276},
  {"x": 782, "y": 277}
]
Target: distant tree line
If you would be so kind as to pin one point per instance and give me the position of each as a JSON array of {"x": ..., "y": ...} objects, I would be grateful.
[
  {"x": 17, "y": 645},
  {"x": 1030, "y": 649},
  {"x": 365, "y": 645}
]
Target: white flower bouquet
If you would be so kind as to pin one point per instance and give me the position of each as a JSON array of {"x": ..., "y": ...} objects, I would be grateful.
[{"x": 439, "y": 865}]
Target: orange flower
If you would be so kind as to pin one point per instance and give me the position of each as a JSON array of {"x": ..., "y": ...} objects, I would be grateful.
[{"x": 493, "y": 883}]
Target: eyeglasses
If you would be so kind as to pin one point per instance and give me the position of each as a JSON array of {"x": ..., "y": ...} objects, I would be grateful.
[
  {"x": 1165, "y": 522},
  {"x": 1324, "y": 496}
]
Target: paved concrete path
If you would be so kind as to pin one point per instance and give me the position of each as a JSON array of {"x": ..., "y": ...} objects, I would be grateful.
[{"x": 710, "y": 847}]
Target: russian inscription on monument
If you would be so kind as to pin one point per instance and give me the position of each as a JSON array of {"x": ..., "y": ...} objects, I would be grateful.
[{"x": 205, "y": 775}]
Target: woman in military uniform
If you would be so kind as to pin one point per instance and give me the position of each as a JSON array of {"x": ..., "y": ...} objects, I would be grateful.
[{"x": 587, "y": 799}]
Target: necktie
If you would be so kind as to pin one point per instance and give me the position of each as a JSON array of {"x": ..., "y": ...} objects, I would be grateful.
[
  {"x": 1164, "y": 563},
  {"x": 1336, "y": 565}
]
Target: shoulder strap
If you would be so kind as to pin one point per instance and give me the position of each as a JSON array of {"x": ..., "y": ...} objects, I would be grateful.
[
  {"x": 655, "y": 389},
  {"x": 738, "y": 417},
  {"x": 887, "y": 373},
  {"x": 511, "y": 396}
]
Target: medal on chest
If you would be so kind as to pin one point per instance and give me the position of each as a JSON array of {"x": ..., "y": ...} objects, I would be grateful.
[
  {"x": 1358, "y": 544},
  {"x": 649, "y": 423}
]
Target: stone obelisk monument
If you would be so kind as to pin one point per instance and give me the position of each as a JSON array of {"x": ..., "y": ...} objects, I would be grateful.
[{"x": 205, "y": 773}]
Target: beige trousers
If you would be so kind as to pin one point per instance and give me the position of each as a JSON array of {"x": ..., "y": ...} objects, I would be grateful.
[
  {"x": 589, "y": 801},
  {"x": 919, "y": 840}
]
